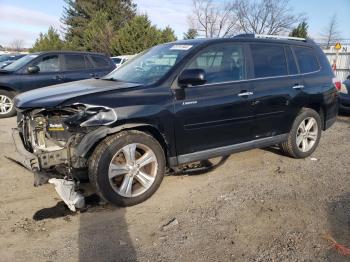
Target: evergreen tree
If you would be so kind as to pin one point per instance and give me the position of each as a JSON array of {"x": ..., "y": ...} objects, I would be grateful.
[
  {"x": 191, "y": 34},
  {"x": 300, "y": 30},
  {"x": 139, "y": 34},
  {"x": 48, "y": 41},
  {"x": 168, "y": 35},
  {"x": 99, "y": 34},
  {"x": 78, "y": 14}
]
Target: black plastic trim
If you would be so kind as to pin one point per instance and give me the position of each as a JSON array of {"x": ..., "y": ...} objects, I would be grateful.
[{"x": 227, "y": 150}]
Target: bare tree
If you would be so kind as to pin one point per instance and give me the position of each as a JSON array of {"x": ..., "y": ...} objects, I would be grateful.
[
  {"x": 212, "y": 19},
  {"x": 330, "y": 33},
  {"x": 17, "y": 45},
  {"x": 265, "y": 16}
]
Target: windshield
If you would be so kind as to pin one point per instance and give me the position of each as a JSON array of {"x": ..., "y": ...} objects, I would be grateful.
[
  {"x": 151, "y": 65},
  {"x": 20, "y": 63},
  {"x": 4, "y": 58}
]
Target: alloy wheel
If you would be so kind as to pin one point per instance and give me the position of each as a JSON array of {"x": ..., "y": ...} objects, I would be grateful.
[
  {"x": 133, "y": 170},
  {"x": 307, "y": 134},
  {"x": 6, "y": 105}
]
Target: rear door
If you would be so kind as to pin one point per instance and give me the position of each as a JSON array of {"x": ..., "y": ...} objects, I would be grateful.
[
  {"x": 49, "y": 74},
  {"x": 77, "y": 67},
  {"x": 217, "y": 113},
  {"x": 277, "y": 88},
  {"x": 102, "y": 65},
  {"x": 310, "y": 68}
]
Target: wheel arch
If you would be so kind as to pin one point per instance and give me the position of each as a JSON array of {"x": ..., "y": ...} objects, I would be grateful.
[
  {"x": 320, "y": 110},
  {"x": 8, "y": 89},
  {"x": 89, "y": 142}
]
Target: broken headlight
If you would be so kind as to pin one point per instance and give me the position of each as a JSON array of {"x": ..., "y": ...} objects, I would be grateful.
[{"x": 91, "y": 115}]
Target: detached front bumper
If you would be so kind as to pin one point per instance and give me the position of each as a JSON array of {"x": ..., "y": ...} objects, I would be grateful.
[
  {"x": 65, "y": 188},
  {"x": 22, "y": 155},
  {"x": 28, "y": 160}
]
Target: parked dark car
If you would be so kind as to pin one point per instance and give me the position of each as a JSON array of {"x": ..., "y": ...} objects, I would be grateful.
[
  {"x": 48, "y": 68},
  {"x": 345, "y": 96},
  {"x": 174, "y": 104},
  {"x": 7, "y": 59}
]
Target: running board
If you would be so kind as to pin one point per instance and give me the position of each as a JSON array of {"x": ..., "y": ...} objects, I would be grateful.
[{"x": 228, "y": 150}]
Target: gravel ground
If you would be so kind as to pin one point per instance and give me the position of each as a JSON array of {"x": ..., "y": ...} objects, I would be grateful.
[{"x": 257, "y": 206}]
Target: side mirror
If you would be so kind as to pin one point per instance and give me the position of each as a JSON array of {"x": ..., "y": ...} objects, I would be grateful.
[
  {"x": 33, "y": 69},
  {"x": 192, "y": 77}
]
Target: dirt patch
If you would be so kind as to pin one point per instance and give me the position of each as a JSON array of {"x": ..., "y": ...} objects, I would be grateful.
[{"x": 255, "y": 206}]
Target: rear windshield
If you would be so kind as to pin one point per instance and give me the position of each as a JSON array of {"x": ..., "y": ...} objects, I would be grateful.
[{"x": 4, "y": 58}]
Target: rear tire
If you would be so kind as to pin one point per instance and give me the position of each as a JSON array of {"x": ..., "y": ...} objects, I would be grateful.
[
  {"x": 7, "y": 108},
  {"x": 127, "y": 168},
  {"x": 304, "y": 136}
]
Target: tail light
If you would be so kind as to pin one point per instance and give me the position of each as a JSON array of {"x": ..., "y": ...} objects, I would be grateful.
[{"x": 337, "y": 84}]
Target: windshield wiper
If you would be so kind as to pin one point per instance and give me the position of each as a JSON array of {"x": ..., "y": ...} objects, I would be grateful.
[{"x": 111, "y": 79}]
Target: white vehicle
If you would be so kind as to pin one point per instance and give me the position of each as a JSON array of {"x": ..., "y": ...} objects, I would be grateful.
[{"x": 119, "y": 60}]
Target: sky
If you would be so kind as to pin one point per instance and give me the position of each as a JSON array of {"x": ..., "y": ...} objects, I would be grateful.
[{"x": 25, "y": 19}]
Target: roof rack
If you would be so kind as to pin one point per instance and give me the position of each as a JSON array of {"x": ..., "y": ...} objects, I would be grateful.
[{"x": 272, "y": 37}]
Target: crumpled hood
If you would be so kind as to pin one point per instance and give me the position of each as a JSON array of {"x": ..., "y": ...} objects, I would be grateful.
[{"x": 54, "y": 95}]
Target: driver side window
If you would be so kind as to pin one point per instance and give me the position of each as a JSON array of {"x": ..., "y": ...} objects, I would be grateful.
[
  {"x": 221, "y": 63},
  {"x": 48, "y": 64}
]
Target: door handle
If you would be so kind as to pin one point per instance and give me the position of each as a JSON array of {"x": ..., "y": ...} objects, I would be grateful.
[
  {"x": 245, "y": 94},
  {"x": 58, "y": 77},
  {"x": 298, "y": 87}
]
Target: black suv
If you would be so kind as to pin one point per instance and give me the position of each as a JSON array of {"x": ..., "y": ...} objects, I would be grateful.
[
  {"x": 48, "y": 68},
  {"x": 174, "y": 104}
]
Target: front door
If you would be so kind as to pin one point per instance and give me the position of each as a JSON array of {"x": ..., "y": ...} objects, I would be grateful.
[
  {"x": 218, "y": 113},
  {"x": 49, "y": 74}
]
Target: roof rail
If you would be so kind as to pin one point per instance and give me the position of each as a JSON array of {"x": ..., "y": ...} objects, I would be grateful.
[{"x": 272, "y": 37}]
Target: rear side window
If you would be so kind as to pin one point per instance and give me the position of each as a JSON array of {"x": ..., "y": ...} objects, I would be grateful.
[
  {"x": 292, "y": 66},
  {"x": 307, "y": 59},
  {"x": 100, "y": 61},
  {"x": 74, "y": 62},
  {"x": 269, "y": 60},
  {"x": 221, "y": 62}
]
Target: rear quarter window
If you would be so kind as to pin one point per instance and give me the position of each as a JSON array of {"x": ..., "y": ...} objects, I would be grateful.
[
  {"x": 268, "y": 60},
  {"x": 307, "y": 59}
]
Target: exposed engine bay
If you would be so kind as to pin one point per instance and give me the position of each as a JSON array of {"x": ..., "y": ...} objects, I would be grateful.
[{"x": 53, "y": 135}]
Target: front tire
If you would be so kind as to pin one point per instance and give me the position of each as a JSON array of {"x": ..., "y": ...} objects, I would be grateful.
[
  {"x": 7, "y": 108},
  {"x": 304, "y": 136},
  {"x": 127, "y": 168}
]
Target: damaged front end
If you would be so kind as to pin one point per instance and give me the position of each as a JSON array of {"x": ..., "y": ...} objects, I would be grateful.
[{"x": 48, "y": 141}]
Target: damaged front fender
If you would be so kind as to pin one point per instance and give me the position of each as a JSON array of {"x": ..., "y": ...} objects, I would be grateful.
[
  {"x": 91, "y": 115},
  {"x": 91, "y": 139}
]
